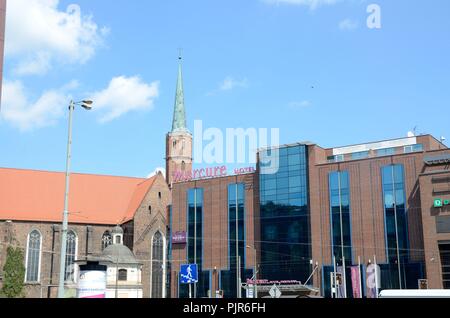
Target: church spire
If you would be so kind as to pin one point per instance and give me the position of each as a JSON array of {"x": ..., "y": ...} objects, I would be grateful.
[{"x": 179, "y": 115}]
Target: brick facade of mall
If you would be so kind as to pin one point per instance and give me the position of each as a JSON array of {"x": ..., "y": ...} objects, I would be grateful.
[{"x": 422, "y": 183}]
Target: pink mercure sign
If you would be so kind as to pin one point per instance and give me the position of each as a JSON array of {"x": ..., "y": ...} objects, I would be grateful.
[{"x": 208, "y": 173}]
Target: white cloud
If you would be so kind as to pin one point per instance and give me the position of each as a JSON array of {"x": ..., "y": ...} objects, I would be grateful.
[
  {"x": 38, "y": 64},
  {"x": 157, "y": 170},
  {"x": 28, "y": 115},
  {"x": 300, "y": 105},
  {"x": 39, "y": 34},
  {"x": 348, "y": 25},
  {"x": 124, "y": 94},
  {"x": 230, "y": 83},
  {"x": 312, "y": 4}
]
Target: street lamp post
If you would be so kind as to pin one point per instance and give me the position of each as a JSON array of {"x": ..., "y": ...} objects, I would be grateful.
[
  {"x": 238, "y": 265},
  {"x": 86, "y": 104}
]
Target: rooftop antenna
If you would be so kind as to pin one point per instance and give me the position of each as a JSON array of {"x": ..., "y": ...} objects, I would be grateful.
[{"x": 413, "y": 133}]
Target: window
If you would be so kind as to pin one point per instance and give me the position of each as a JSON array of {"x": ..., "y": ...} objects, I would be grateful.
[
  {"x": 122, "y": 275},
  {"x": 195, "y": 216},
  {"x": 157, "y": 265},
  {"x": 33, "y": 256},
  {"x": 183, "y": 166},
  {"x": 106, "y": 240},
  {"x": 150, "y": 209},
  {"x": 443, "y": 224},
  {"x": 360, "y": 155},
  {"x": 395, "y": 212},
  {"x": 234, "y": 203},
  {"x": 236, "y": 208},
  {"x": 174, "y": 144},
  {"x": 386, "y": 152},
  {"x": 118, "y": 239},
  {"x": 159, "y": 195},
  {"x": 337, "y": 158},
  {"x": 414, "y": 148},
  {"x": 444, "y": 251},
  {"x": 195, "y": 246},
  {"x": 340, "y": 210},
  {"x": 71, "y": 252}
]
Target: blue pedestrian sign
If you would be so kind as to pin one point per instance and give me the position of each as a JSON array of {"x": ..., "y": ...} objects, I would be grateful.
[{"x": 188, "y": 274}]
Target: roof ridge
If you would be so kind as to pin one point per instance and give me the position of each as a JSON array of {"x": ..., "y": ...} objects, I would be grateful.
[
  {"x": 77, "y": 173},
  {"x": 146, "y": 180},
  {"x": 125, "y": 217}
]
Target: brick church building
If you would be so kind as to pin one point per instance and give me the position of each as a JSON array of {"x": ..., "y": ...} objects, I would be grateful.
[
  {"x": 31, "y": 205},
  {"x": 31, "y": 210}
]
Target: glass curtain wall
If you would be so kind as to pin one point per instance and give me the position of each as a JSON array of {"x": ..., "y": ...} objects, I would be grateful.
[{"x": 285, "y": 227}]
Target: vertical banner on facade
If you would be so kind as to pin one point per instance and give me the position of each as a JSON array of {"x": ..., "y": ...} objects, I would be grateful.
[
  {"x": 340, "y": 282},
  {"x": 356, "y": 280},
  {"x": 373, "y": 280},
  {"x": 92, "y": 284}
]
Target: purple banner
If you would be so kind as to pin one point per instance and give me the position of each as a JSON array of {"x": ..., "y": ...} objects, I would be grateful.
[
  {"x": 179, "y": 237},
  {"x": 356, "y": 281}
]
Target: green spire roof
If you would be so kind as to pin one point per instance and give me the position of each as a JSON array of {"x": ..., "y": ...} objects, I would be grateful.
[{"x": 179, "y": 114}]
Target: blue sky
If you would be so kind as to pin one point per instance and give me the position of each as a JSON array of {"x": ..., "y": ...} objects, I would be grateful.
[{"x": 316, "y": 72}]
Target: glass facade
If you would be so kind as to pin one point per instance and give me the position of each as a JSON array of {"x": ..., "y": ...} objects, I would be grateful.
[
  {"x": 195, "y": 244},
  {"x": 385, "y": 152},
  {"x": 395, "y": 213},
  {"x": 285, "y": 228},
  {"x": 236, "y": 208},
  {"x": 444, "y": 251},
  {"x": 360, "y": 155},
  {"x": 339, "y": 186},
  {"x": 337, "y": 158},
  {"x": 414, "y": 148}
]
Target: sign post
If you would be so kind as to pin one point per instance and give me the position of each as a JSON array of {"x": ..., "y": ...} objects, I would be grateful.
[
  {"x": 179, "y": 237},
  {"x": 189, "y": 275}
]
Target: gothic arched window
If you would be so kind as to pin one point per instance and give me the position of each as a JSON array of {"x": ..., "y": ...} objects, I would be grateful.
[
  {"x": 106, "y": 240},
  {"x": 33, "y": 256},
  {"x": 157, "y": 265},
  {"x": 71, "y": 254}
]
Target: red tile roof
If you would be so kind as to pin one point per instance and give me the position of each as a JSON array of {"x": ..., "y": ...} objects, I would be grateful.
[{"x": 30, "y": 195}]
